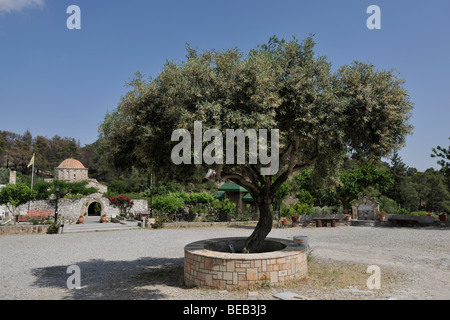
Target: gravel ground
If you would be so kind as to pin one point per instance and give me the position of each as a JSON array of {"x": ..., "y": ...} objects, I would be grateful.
[{"x": 147, "y": 264}]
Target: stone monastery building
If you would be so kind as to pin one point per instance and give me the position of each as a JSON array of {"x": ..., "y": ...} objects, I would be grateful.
[{"x": 71, "y": 170}]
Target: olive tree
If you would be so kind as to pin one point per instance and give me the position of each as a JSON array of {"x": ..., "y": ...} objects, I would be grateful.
[{"x": 321, "y": 116}]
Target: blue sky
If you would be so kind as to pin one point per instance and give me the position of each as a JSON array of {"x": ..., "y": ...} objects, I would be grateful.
[{"x": 59, "y": 81}]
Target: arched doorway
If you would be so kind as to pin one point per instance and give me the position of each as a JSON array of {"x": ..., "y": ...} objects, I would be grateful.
[{"x": 95, "y": 209}]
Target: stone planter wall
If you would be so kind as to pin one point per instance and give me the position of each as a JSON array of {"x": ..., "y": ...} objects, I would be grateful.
[
  {"x": 220, "y": 270},
  {"x": 310, "y": 218},
  {"x": 23, "y": 229},
  {"x": 423, "y": 220}
]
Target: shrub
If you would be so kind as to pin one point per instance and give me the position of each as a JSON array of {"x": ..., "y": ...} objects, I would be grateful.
[
  {"x": 117, "y": 186},
  {"x": 402, "y": 211},
  {"x": 288, "y": 211},
  {"x": 304, "y": 197},
  {"x": 225, "y": 208},
  {"x": 389, "y": 205},
  {"x": 35, "y": 221},
  {"x": 159, "y": 222},
  {"x": 303, "y": 209},
  {"x": 170, "y": 203},
  {"x": 123, "y": 203},
  {"x": 53, "y": 228},
  {"x": 163, "y": 189},
  {"x": 199, "y": 198},
  {"x": 419, "y": 213}
]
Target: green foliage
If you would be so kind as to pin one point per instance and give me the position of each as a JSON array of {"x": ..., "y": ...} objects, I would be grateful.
[
  {"x": 368, "y": 175},
  {"x": 322, "y": 115},
  {"x": 53, "y": 228},
  {"x": 117, "y": 187},
  {"x": 303, "y": 209},
  {"x": 388, "y": 205},
  {"x": 302, "y": 181},
  {"x": 283, "y": 191},
  {"x": 175, "y": 202},
  {"x": 297, "y": 209},
  {"x": 170, "y": 203},
  {"x": 160, "y": 217},
  {"x": 403, "y": 211},
  {"x": 4, "y": 176},
  {"x": 17, "y": 149},
  {"x": 247, "y": 215},
  {"x": 288, "y": 211},
  {"x": 281, "y": 194},
  {"x": 326, "y": 210},
  {"x": 15, "y": 195},
  {"x": 444, "y": 162},
  {"x": 284, "y": 85},
  {"x": 44, "y": 190},
  {"x": 225, "y": 208},
  {"x": 321, "y": 195},
  {"x": 432, "y": 190},
  {"x": 419, "y": 213},
  {"x": 165, "y": 188},
  {"x": 304, "y": 197},
  {"x": 199, "y": 198}
]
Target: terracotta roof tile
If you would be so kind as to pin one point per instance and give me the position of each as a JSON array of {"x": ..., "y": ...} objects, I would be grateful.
[{"x": 71, "y": 164}]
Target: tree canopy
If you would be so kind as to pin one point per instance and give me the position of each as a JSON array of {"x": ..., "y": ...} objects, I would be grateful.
[
  {"x": 321, "y": 115},
  {"x": 444, "y": 161}
]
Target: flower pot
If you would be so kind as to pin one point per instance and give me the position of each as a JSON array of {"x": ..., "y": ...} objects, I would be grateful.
[
  {"x": 283, "y": 222},
  {"x": 442, "y": 217},
  {"x": 301, "y": 240},
  {"x": 103, "y": 219},
  {"x": 348, "y": 217},
  {"x": 80, "y": 220},
  {"x": 382, "y": 218},
  {"x": 294, "y": 218}
]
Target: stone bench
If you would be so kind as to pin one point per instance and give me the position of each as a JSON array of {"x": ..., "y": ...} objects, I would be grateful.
[
  {"x": 324, "y": 221},
  {"x": 409, "y": 221}
]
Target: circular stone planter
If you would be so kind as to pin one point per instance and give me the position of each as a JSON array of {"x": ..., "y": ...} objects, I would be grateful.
[{"x": 211, "y": 263}]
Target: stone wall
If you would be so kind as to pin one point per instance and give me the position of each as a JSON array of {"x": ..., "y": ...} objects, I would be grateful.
[
  {"x": 23, "y": 229},
  {"x": 71, "y": 209},
  {"x": 71, "y": 174}
]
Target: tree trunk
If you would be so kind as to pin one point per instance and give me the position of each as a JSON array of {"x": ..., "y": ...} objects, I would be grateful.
[
  {"x": 345, "y": 202},
  {"x": 262, "y": 229}
]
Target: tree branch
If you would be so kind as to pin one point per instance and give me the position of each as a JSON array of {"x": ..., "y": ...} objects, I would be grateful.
[{"x": 285, "y": 175}]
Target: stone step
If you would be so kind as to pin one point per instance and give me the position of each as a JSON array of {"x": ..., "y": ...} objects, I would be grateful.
[
  {"x": 92, "y": 227},
  {"x": 366, "y": 223}
]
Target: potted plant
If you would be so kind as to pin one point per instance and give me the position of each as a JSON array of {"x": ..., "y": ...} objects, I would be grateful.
[
  {"x": 442, "y": 216},
  {"x": 292, "y": 213},
  {"x": 347, "y": 215},
  {"x": 288, "y": 212},
  {"x": 103, "y": 219},
  {"x": 382, "y": 215},
  {"x": 80, "y": 220}
]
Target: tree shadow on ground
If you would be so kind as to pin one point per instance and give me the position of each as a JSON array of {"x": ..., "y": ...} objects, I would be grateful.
[
  {"x": 114, "y": 280},
  {"x": 238, "y": 226}
]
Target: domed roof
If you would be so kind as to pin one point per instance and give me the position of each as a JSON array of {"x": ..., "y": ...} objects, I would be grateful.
[{"x": 71, "y": 164}]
